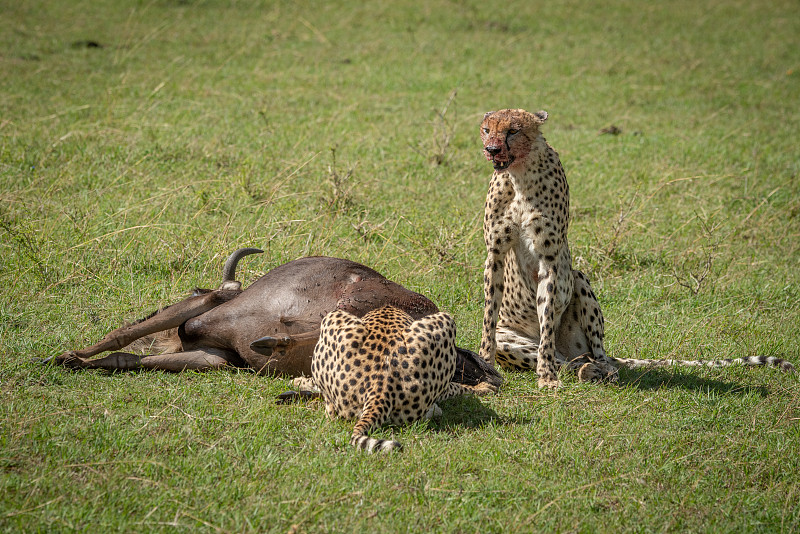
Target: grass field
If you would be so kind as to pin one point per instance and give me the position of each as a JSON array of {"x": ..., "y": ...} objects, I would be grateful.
[{"x": 130, "y": 170}]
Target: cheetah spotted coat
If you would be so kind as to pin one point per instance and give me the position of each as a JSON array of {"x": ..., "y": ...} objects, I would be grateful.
[
  {"x": 539, "y": 312},
  {"x": 386, "y": 367}
]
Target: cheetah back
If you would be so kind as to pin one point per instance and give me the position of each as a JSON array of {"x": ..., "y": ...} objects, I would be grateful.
[{"x": 383, "y": 367}]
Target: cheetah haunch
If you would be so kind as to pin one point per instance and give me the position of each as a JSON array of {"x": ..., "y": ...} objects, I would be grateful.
[
  {"x": 270, "y": 327},
  {"x": 539, "y": 312},
  {"x": 385, "y": 367}
]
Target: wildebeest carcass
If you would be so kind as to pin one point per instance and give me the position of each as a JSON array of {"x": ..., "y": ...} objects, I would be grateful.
[{"x": 270, "y": 327}]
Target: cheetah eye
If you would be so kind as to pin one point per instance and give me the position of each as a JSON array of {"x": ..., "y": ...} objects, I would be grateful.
[
  {"x": 512, "y": 131},
  {"x": 485, "y": 130}
]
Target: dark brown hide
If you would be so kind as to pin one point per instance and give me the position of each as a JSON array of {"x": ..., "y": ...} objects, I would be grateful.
[{"x": 270, "y": 327}]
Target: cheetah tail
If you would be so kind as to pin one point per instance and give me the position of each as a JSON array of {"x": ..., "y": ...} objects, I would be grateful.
[
  {"x": 374, "y": 414},
  {"x": 770, "y": 361},
  {"x": 369, "y": 444}
]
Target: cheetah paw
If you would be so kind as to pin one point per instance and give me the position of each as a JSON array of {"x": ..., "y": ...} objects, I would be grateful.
[
  {"x": 612, "y": 376},
  {"x": 589, "y": 372},
  {"x": 484, "y": 388},
  {"x": 549, "y": 383},
  {"x": 433, "y": 412},
  {"x": 305, "y": 383}
]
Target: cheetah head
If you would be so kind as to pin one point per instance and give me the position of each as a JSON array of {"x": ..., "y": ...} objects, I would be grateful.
[{"x": 508, "y": 135}]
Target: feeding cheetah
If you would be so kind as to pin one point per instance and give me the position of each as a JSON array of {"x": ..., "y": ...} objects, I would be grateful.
[
  {"x": 539, "y": 312},
  {"x": 385, "y": 367}
]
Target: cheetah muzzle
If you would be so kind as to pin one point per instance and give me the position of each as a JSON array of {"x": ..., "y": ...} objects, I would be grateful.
[{"x": 499, "y": 157}]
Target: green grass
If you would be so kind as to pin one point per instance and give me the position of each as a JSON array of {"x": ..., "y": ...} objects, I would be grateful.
[{"x": 128, "y": 173}]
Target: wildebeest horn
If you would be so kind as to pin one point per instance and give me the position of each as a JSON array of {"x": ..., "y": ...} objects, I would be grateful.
[{"x": 229, "y": 270}]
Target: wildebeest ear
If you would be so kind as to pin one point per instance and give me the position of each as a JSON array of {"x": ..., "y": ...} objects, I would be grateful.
[
  {"x": 486, "y": 115},
  {"x": 539, "y": 117}
]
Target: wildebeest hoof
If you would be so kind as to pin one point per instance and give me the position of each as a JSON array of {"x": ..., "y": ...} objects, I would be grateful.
[
  {"x": 268, "y": 344},
  {"x": 69, "y": 359},
  {"x": 288, "y": 397}
]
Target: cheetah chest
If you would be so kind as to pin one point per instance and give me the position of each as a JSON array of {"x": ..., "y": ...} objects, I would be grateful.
[{"x": 540, "y": 252}]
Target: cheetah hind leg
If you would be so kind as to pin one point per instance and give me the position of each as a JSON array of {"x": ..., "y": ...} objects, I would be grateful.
[
  {"x": 455, "y": 389},
  {"x": 599, "y": 367},
  {"x": 589, "y": 369},
  {"x": 518, "y": 353},
  {"x": 375, "y": 413}
]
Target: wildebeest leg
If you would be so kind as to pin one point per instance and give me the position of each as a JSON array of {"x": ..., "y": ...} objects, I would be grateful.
[
  {"x": 170, "y": 317},
  {"x": 198, "y": 360},
  {"x": 288, "y": 397}
]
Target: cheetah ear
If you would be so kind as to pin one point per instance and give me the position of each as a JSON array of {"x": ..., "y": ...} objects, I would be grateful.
[
  {"x": 486, "y": 115},
  {"x": 539, "y": 117}
]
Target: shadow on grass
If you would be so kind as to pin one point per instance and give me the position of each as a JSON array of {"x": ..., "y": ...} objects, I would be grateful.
[
  {"x": 466, "y": 411},
  {"x": 472, "y": 412},
  {"x": 654, "y": 379}
]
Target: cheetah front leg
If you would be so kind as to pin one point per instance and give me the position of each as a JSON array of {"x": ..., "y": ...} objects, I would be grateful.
[
  {"x": 500, "y": 233},
  {"x": 549, "y": 309},
  {"x": 493, "y": 295},
  {"x": 547, "y": 261}
]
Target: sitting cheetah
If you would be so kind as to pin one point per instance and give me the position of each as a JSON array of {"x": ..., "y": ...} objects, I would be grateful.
[
  {"x": 539, "y": 312},
  {"x": 385, "y": 367}
]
